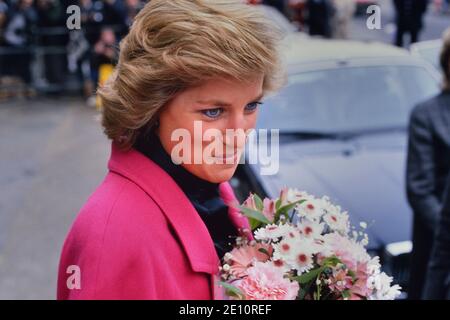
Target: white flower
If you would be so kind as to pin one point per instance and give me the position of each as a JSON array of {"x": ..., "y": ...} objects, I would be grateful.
[
  {"x": 296, "y": 252},
  {"x": 310, "y": 209},
  {"x": 365, "y": 240},
  {"x": 284, "y": 249},
  {"x": 269, "y": 232},
  {"x": 363, "y": 225},
  {"x": 341, "y": 246},
  {"x": 310, "y": 229},
  {"x": 282, "y": 265},
  {"x": 337, "y": 221},
  {"x": 274, "y": 232},
  {"x": 381, "y": 284},
  {"x": 374, "y": 266},
  {"x": 302, "y": 260}
]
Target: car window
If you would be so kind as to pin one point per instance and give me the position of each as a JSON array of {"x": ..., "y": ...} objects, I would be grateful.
[
  {"x": 431, "y": 55},
  {"x": 348, "y": 99}
]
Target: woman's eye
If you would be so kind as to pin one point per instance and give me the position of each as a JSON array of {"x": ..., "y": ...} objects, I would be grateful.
[
  {"x": 213, "y": 113},
  {"x": 252, "y": 106}
]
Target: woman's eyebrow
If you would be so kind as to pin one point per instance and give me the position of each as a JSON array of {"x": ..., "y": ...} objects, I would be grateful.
[
  {"x": 220, "y": 103},
  {"x": 259, "y": 97}
]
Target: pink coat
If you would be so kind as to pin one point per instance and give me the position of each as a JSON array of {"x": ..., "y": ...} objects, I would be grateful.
[{"x": 139, "y": 237}]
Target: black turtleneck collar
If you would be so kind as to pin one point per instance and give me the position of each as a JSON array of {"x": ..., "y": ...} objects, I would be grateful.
[{"x": 203, "y": 195}]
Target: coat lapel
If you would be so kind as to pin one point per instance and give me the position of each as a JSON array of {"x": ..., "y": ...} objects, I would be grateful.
[{"x": 177, "y": 208}]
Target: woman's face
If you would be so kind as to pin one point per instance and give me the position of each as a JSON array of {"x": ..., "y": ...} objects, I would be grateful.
[{"x": 215, "y": 106}]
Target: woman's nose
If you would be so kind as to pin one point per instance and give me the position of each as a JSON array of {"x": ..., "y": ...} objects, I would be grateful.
[
  {"x": 236, "y": 132},
  {"x": 237, "y": 121}
]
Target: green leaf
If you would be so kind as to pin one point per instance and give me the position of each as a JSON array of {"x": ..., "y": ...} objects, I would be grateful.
[
  {"x": 308, "y": 276},
  {"x": 352, "y": 274},
  {"x": 346, "y": 294},
  {"x": 258, "y": 202},
  {"x": 231, "y": 290},
  {"x": 264, "y": 251},
  {"x": 285, "y": 209},
  {"x": 254, "y": 223},
  {"x": 331, "y": 261},
  {"x": 254, "y": 214},
  {"x": 277, "y": 204},
  {"x": 304, "y": 291}
]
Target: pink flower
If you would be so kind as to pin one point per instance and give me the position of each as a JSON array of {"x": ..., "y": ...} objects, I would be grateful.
[
  {"x": 288, "y": 196},
  {"x": 360, "y": 287},
  {"x": 269, "y": 209},
  {"x": 284, "y": 195},
  {"x": 348, "y": 251},
  {"x": 340, "y": 281},
  {"x": 266, "y": 282},
  {"x": 268, "y": 206},
  {"x": 243, "y": 257},
  {"x": 250, "y": 202}
]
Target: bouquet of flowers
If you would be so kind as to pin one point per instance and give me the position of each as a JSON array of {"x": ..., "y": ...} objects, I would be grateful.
[{"x": 302, "y": 247}]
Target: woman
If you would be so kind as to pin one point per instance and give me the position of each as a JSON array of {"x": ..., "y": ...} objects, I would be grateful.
[{"x": 155, "y": 229}]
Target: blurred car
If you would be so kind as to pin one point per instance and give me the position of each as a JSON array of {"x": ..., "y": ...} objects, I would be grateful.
[
  {"x": 429, "y": 51},
  {"x": 343, "y": 119}
]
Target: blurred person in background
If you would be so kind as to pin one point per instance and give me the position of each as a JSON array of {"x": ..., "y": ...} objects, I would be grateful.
[
  {"x": 297, "y": 8},
  {"x": 53, "y": 37},
  {"x": 115, "y": 15},
  {"x": 78, "y": 60},
  {"x": 441, "y": 6},
  {"x": 104, "y": 58},
  {"x": 97, "y": 14},
  {"x": 86, "y": 59},
  {"x": 437, "y": 284},
  {"x": 81, "y": 43},
  {"x": 254, "y": 1},
  {"x": 278, "y": 4},
  {"x": 409, "y": 19},
  {"x": 90, "y": 20},
  {"x": 438, "y": 274},
  {"x": 20, "y": 19},
  {"x": 320, "y": 13},
  {"x": 344, "y": 11},
  {"x": 3, "y": 11},
  {"x": 132, "y": 7},
  {"x": 428, "y": 166}
]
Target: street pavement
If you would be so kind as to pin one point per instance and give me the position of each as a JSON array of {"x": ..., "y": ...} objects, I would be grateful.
[{"x": 53, "y": 155}]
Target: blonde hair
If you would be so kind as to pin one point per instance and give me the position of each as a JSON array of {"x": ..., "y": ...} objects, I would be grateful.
[{"x": 175, "y": 44}]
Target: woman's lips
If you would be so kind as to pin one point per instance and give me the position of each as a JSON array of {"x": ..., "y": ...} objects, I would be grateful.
[{"x": 230, "y": 157}]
